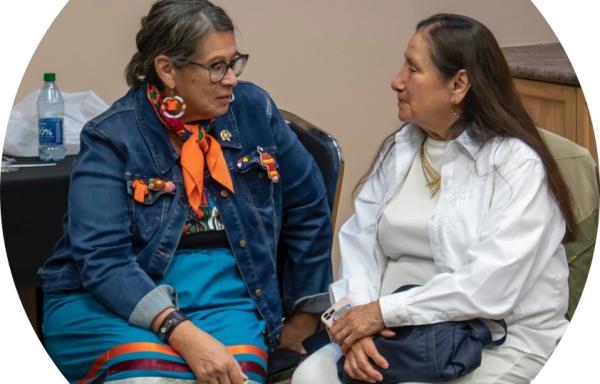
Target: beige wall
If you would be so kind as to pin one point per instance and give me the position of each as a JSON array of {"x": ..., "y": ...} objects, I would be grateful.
[{"x": 328, "y": 61}]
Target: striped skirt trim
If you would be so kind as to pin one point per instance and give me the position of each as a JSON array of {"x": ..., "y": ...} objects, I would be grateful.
[{"x": 252, "y": 360}]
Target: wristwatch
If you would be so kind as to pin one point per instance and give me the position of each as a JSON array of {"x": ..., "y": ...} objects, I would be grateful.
[{"x": 172, "y": 320}]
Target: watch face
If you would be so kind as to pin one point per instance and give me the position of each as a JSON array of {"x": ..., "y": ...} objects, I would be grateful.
[
  {"x": 336, "y": 312},
  {"x": 341, "y": 312}
]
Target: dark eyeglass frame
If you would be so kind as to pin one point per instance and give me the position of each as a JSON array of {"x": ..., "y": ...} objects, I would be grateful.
[{"x": 216, "y": 77}]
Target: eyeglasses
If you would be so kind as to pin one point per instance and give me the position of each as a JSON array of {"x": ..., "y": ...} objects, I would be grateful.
[{"x": 218, "y": 70}]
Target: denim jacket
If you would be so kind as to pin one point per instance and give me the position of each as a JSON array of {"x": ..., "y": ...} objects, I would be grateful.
[{"x": 116, "y": 248}]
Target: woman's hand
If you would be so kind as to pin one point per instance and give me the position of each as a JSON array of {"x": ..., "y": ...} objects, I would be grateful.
[
  {"x": 206, "y": 357},
  {"x": 360, "y": 321},
  {"x": 357, "y": 364},
  {"x": 297, "y": 328}
]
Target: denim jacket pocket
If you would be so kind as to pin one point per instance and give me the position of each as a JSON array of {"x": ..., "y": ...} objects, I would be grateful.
[
  {"x": 256, "y": 186},
  {"x": 147, "y": 216}
]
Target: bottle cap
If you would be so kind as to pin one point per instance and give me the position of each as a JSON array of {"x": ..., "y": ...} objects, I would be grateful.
[{"x": 49, "y": 76}]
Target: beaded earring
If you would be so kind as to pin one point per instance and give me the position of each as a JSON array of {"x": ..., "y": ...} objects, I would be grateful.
[{"x": 172, "y": 107}]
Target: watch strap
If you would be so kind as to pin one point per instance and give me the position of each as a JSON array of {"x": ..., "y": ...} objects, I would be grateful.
[{"x": 172, "y": 320}]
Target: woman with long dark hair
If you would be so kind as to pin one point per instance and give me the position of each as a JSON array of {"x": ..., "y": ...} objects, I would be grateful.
[{"x": 465, "y": 202}]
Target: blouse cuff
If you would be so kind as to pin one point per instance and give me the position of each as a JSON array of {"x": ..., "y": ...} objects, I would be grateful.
[
  {"x": 337, "y": 290},
  {"x": 394, "y": 310},
  {"x": 152, "y": 304}
]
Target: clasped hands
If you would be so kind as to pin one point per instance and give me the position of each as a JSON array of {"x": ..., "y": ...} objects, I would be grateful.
[{"x": 354, "y": 334}]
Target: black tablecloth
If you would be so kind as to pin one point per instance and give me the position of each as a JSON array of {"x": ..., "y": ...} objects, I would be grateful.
[{"x": 33, "y": 202}]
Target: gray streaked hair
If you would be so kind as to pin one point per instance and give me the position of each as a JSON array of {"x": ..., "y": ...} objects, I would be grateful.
[{"x": 173, "y": 28}]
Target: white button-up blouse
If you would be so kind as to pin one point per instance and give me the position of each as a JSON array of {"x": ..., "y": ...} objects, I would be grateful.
[{"x": 495, "y": 236}]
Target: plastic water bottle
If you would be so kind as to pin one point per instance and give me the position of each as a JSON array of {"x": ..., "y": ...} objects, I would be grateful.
[{"x": 50, "y": 111}]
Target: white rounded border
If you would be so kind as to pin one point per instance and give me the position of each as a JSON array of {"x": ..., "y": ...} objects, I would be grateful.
[
  {"x": 23, "y": 23},
  {"x": 576, "y": 24}
]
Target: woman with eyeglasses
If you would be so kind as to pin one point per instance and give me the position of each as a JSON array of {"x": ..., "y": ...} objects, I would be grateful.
[{"x": 189, "y": 198}]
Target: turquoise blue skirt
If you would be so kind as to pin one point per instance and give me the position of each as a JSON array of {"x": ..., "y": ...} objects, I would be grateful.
[{"x": 90, "y": 344}]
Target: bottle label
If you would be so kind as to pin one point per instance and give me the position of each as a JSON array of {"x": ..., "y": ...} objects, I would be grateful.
[{"x": 50, "y": 131}]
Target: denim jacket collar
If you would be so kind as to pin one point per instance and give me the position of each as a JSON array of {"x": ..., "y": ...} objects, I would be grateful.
[
  {"x": 157, "y": 138},
  {"x": 154, "y": 132},
  {"x": 226, "y": 131}
]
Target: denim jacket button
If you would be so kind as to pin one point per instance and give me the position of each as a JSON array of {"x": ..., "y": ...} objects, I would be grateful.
[
  {"x": 258, "y": 292},
  {"x": 224, "y": 193},
  {"x": 243, "y": 243}
]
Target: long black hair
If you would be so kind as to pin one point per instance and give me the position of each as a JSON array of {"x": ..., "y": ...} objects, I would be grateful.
[{"x": 492, "y": 107}]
